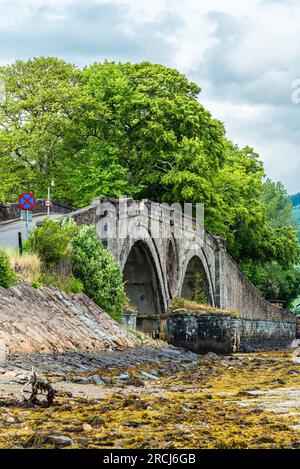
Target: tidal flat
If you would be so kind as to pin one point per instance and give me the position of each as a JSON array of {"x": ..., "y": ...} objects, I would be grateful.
[{"x": 242, "y": 401}]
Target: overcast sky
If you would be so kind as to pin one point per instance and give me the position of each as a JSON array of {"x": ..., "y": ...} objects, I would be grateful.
[{"x": 243, "y": 54}]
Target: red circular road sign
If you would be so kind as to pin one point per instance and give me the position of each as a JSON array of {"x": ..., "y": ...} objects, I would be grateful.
[
  {"x": 27, "y": 201},
  {"x": 48, "y": 203}
]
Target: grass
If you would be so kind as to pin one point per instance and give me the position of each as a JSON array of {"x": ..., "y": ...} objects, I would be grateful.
[
  {"x": 27, "y": 266},
  {"x": 183, "y": 306},
  {"x": 67, "y": 283},
  {"x": 29, "y": 269}
]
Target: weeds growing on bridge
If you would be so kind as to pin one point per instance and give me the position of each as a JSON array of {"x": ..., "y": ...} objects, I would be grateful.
[{"x": 182, "y": 306}]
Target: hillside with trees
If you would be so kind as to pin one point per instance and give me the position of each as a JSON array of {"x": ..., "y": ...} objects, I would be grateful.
[
  {"x": 295, "y": 199},
  {"x": 140, "y": 130}
]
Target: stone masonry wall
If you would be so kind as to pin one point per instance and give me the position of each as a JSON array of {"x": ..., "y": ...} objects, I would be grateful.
[
  {"x": 12, "y": 211},
  {"x": 226, "y": 334},
  {"x": 238, "y": 293}
]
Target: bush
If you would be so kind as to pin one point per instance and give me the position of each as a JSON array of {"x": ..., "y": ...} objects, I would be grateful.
[
  {"x": 8, "y": 277},
  {"x": 36, "y": 284},
  {"x": 51, "y": 240},
  {"x": 98, "y": 271},
  {"x": 74, "y": 260}
]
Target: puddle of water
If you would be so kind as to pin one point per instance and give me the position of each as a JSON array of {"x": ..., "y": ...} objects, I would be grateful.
[
  {"x": 295, "y": 427},
  {"x": 283, "y": 401}
]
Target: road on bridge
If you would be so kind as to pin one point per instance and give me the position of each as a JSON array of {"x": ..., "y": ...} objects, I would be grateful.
[{"x": 9, "y": 230}]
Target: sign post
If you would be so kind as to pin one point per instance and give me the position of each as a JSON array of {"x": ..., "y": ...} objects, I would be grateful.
[
  {"x": 27, "y": 202},
  {"x": 48, "y": 204},
  {"x": 20, "y": 243},
  {"x": 25, "y": 213}
]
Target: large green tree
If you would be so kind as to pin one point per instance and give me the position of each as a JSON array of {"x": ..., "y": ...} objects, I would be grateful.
[
  {"x": 279, "y": 208},
  {"x": 147, "y": 136},
  {"x": 43, "y": 101},
  {"x": 116, "y": 129},
  {"x": 276, "y": 273}
]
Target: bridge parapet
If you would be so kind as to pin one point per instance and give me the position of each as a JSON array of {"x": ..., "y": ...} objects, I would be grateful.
[{"x": 159, "y": 250}]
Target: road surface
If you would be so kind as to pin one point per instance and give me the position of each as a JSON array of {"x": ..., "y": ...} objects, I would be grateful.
[{"x": 9, "y": 231}]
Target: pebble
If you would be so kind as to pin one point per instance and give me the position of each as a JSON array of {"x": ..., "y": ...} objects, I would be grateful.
[
  {"x": 87, "y": 428},
  {"x": 146, "y": 375},
  {"x": 124, "y": 376},
  {"x": 212, "y": 356},
  {"x": 60, "y": 440},
  {"x": 224, "y": 363},
  {"x": 94, "y": 379},
  {"x": 10, "y": 420}
]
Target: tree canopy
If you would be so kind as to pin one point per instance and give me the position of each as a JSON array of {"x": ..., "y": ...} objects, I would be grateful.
[{"x": 140, "y": 130}]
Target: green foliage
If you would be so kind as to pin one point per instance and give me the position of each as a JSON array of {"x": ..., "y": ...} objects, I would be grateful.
[
  {"x": 273, "y": 270},
  {"x": 67, "y": 283},
  {"x": 296, "y": 306},
  {"x": 162, "y": 134},
  {"x": 278, "y": 205},
  {"x": 51, "y": 241},
  {"x": 95, "y": 172},
  {"x": 36, "y": 284},
  {"x": 98, "y": 272},
  {"x": 7, "y": 275},
  {"x": 281, "y": 244},
  {"x": 43, "y": 100},
  {"x": 116, "y": 129},
  {"x": 274, "y": 281},
  {"x": 63, "y": 245},
  {"x": 199, "y": 295},
  {"x": 236, "y": 212}
]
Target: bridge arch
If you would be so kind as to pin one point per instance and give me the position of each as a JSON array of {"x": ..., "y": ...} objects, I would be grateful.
[
  {"x": 143, "y": 274},
  {"x": 196, "y": 276}
]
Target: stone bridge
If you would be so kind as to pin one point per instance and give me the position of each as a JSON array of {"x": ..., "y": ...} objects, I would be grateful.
[{"x": 163, "y": 256}]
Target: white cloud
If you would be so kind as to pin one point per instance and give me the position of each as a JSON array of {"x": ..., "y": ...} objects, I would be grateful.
[{"x": 244, "y": 55}]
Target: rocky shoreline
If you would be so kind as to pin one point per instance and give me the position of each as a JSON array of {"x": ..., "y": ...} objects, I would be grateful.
[{"x": 154, "y": 397}]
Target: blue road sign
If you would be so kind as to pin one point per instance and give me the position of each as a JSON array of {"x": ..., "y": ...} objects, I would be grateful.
[{"x": 27, "y": 201}]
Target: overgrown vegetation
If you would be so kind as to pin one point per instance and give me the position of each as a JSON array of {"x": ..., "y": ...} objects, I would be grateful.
[
  {"x": 277, "y": 279},
  {"x": 27, "y": 266},
  {"x": 184, "y": 306},
  {"x": 99, "y": 273},
  {"x": 67, "y": 283},
  {"x": 52, "y": 241},
  {"x": 8, "y": 277},
  {"x": 295, "y": 199},
  {"x": 74, "y": 260},
  {"x": 139, "y": 129}
]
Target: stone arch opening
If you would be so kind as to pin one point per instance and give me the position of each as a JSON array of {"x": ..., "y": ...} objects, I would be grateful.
[
  {"x": 172, "y": 267},
  {"x": 195, "y": 284},
  {"x": 141, "y": 281}
]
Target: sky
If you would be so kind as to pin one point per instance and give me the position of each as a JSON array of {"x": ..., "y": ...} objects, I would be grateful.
[{"x": 245, "y": 56}]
